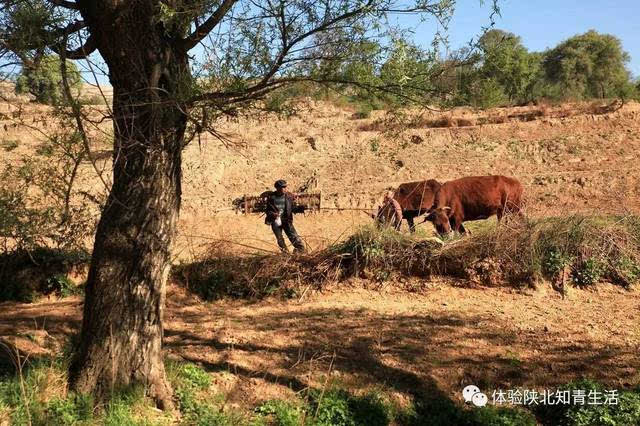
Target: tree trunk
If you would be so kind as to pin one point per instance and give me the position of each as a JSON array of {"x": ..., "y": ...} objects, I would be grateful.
[{"x": 122, "y": 327}]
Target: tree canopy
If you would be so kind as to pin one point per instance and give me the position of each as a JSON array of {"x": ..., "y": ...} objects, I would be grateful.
[
  {"x": 44, "y": 80},
  {"x": 589, "y": 65}
]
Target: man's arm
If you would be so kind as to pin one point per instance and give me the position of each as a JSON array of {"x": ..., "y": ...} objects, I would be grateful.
[{"x": 271, "y": 209}]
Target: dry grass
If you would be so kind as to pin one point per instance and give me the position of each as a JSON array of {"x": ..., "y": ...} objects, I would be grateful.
[{"x": 577, "y": 249}]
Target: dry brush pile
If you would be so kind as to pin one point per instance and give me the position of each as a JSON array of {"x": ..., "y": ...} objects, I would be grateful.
[{"x": 575, "y": 250}]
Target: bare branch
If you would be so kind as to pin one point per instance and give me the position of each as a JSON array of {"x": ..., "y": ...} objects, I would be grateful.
[
  {"x": 81, "y": 52},
  {"x": 65, "y": 3},
  {"x": 207, "y": 26}
]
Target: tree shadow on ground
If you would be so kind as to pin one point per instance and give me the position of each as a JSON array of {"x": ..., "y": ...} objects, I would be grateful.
[{"x": 428, "y": 358}]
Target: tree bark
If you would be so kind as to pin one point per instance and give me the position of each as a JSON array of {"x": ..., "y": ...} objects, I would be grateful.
[{"x": 122, "y": 327}]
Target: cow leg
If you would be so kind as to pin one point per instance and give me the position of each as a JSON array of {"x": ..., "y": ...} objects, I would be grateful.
[
  {"x": 455, "y": 224},
  {"x": 464, "y": 230},
  {"x": 412, "y": 225}
]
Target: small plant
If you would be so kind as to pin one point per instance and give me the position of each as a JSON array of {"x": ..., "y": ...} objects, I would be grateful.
[
  {"x": 588, "y": 272},
  {"x": 284, "y": 413},
  {"x": 93, "y": 100},
  {"x": 514, "y": 359},
  {"x": 61, "y": 285},
  {"x": 375, "y": 144},
  {"x": 555, "y": 261},
  {"x": 46, "y": 150},
  {"x": 625, "y": 270},
  {"x": 625, "y": 412},
  {"x": 364, "y": 111},
  {"x": 9, "y": 144},
  {"x": 195, "y": 377}
]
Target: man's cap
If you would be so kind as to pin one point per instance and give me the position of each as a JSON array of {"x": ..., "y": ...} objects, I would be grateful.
[{"x": 281, "y": 183}]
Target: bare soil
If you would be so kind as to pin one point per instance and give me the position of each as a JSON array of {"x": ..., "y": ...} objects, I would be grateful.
[{"x": 408, "y": 344}]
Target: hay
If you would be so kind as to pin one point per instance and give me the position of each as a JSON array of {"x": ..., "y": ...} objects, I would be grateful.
[{"x": 518, "y": 252}]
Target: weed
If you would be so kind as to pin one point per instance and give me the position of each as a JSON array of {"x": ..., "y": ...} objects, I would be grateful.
[
  {"x": 9, "y": 144},
  {"x": 61, "y": 285},
  {"x": 587, "y": 272},
  {"x": 375, "y": 144},
  {"x": 626, "y": 410},
  {"x": 284, "y": 413}
]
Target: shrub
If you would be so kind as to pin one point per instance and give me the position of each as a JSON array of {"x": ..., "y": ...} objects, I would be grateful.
[
  {"x": 625, "y": 412},
  {"x": 25, "y": 274},
  {"x": 284, "y": 413},
  {"x": 587, "y": 272},
  {"x": 363, "y": 111},
  {"x": 338, "y": 407}
]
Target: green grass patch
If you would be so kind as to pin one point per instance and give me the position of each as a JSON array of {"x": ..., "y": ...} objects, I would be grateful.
[{"x": 625, "y": 412}]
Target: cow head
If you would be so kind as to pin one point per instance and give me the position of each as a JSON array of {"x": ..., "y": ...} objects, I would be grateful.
[{"x": 440, "y": 218}]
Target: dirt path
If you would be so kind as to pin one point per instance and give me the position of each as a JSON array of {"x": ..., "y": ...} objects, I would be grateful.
[{"x": 406, "y": 344}]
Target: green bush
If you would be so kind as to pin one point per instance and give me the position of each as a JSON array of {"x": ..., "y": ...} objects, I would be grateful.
[
  {"x": 487, "y": 93},
  {"x": 625, "y": 412},
  {"x": 555, "y": 261},
  {"x": 337, "y": 407},
  {"x": 587, "y": 272},
  {"x": 61, "y": 285},
  {"x": 283, "y": 413}
]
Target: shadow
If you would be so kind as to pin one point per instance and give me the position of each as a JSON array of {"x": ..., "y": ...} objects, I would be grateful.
[
  {"x": 26, "y": 274},
  {"x": 428, "y": 358},
  {"x": 425, "y": 354}
]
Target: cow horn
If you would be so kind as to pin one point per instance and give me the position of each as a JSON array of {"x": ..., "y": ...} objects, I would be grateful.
[{"x": 445, "y": 208}]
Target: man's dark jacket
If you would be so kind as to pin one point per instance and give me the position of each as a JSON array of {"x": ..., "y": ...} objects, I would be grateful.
[{"x": 290, "y": 207}]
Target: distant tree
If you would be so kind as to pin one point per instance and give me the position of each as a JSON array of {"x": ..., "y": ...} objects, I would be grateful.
[
  {"x": 507, "y": 62},
  {"x": 411, "y": 71},
  {"x": 44, "y": 79},
  {"x": 590, "y": 65}
]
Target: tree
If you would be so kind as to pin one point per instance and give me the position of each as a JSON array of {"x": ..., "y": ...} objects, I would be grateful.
[
  {"x": 411, "y": 70},
  {"x": 507, "y": 62},
  {"x": 590, "y": 65},
  {"x": 157, "y": 105},
  {"x": 44, "y": 80}
]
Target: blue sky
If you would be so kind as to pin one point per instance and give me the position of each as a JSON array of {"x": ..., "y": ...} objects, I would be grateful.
[
  {"x": 545, "y": 23},
  {"x": 541, "y": 24}
]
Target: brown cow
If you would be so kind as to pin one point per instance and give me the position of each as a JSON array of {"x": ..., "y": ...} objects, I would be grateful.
[
  {"x": 416, "y": 198},
  {"x": 473, "y": 198}
]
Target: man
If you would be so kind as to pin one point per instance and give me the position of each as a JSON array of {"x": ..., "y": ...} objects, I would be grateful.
[
  {"x": 390, "y": 212},
  {"x": 280, "y": 209}
]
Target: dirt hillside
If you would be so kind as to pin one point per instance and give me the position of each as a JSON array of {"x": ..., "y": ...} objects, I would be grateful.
[{"x": 570, "y": 158}]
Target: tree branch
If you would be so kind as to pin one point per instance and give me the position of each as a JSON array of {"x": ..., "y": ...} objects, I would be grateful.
[
  {"x": 208, "y": 25},
  {"x": 65, "y": 3},
  {"x": 81, "y": 52}
]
